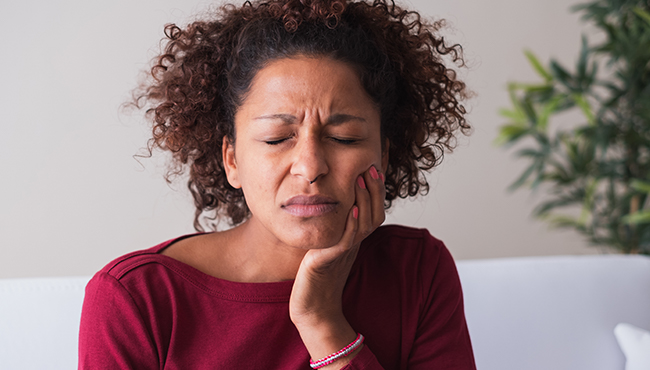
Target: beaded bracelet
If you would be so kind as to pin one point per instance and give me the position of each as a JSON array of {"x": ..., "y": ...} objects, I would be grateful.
[{"x": 335, "y": 356}]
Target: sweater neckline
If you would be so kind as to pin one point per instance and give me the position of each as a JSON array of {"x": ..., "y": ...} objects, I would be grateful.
[
  {"x": 242, "y": 291},
  {"x": 226, "y": 289}
]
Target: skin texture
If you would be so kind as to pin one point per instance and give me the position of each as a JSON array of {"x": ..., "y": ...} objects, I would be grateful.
[{"x": 304, "y": 119}]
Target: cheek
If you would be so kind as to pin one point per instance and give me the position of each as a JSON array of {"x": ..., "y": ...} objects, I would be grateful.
[
  {"x": 362, "y": 161},
  {"x": 352, "y": 168},
  {"x": 258, "y": 178}
]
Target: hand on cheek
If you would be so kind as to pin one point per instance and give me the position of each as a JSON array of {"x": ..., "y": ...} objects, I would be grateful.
[{"x": 315, "y": 306}]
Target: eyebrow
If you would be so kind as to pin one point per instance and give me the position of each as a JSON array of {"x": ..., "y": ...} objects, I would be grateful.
[{"x": 333, "y": 120}]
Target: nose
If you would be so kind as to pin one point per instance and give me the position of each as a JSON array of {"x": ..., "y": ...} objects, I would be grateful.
[{"x": 309, "y": 160}]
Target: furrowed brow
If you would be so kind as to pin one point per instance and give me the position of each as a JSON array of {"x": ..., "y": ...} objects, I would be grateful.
[
  {"x": 285, "y": 118},
  {"x": 338, "y": 119},
  {"x": 334, "y": 120}
]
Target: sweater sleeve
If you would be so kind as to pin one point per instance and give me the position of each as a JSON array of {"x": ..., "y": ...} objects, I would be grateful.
[
  {"x": 442, "y": 339},
  {"x": 432, "y": 332},
  {"x": 112, "y": 333},
  {"x": 364, "y": 360}
]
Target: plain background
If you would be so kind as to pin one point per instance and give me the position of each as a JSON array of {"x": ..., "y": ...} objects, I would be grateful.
[{"x": 73, "y": 197}]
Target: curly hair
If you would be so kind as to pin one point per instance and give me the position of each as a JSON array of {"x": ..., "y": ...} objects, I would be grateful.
[{"x": 198, "y": 82}]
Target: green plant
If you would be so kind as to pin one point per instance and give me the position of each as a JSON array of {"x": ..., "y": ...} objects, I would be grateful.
[{"x": 597, "y": 171}]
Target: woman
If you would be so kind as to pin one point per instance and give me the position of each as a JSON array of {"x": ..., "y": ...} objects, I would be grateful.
[{"x": 299, "y": 122}]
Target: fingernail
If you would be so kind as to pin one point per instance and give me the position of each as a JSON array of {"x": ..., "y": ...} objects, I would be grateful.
[
  {"x": 361, "y": 183},
  {"x": 383, "y": 178},
  {"x": 355, "y": 212},
  {"x": 373, "y": 173}
]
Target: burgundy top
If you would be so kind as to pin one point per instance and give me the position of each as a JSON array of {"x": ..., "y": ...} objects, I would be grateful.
[{"x": 148, "y": 311}]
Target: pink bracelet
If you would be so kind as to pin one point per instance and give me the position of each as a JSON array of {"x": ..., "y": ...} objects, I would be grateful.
[{"x": 335, "y": 356}]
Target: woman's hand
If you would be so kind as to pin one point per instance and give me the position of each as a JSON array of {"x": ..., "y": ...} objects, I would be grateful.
[{"x": 316, "y": 306}]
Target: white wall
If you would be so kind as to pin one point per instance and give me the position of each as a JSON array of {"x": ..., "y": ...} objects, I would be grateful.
[{"x": 73, "y": 197}]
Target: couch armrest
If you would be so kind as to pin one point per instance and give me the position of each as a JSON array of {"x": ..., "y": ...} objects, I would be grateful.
[{"x": 39, "y": 322}]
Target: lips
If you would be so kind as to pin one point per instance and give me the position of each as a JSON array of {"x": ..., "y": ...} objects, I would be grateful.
[{"x": 309, "y": 205}]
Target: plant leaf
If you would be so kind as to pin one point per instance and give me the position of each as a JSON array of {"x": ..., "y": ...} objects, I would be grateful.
[
  {"x": 547, "y": 110},
  {"x": 515, "y": 115},
  {"x": 538, "y": 66},
  {"x": 637, "y": 218},
  {"x": 544, "y": 208},
  {"x": 642, "y": 13},
  {"x": 564, "y": 221},
  {"x": 588, "y": 202},
  {"x": 562, "y": 75},
  {"x": 640, "y": 186},
  {"x": 529, "y": 109},
  {"x": 585, "y": 107},
  {"x": 510, "y": 133},
  {"x": 532, "y": 153},
  {"x": 581, "y": 67},
  {"x": 522, "y": 179}
]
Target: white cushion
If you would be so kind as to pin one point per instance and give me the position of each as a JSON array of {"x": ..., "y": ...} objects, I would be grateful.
[
  {"x": 635, "y": 344},
  {"x": 542, "y": 313},
  {"x": 39, "y": 322}
]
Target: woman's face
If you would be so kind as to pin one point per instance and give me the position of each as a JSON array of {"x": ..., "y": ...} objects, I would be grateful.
[{"x": 304, "y": 119}]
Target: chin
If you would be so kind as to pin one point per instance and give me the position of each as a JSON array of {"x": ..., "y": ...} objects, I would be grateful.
[{"x": 315, "y": 236}]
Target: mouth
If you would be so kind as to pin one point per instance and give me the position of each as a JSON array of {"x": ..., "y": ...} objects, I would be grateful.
[{"x": 309, "y": 205}]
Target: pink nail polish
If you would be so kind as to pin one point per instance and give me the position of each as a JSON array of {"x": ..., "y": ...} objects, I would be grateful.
[
  {"x": 355, "y": 212},
  {"x": 383, "y": 178},
  {"x": 361, "y": 183},
  {"x": 373, "y": 173}
]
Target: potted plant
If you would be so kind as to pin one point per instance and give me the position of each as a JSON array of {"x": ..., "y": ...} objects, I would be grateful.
[{"x": 596, "y": 171}]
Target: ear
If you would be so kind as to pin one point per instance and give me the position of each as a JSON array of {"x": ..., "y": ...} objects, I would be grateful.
[
  {"x": 230, "y": 163},
  {"x": 384, "y": 156}
]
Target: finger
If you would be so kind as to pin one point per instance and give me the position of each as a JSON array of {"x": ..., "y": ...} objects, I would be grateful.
[
  {"x": 351, "y": 227},
  {"x": 362, "y": 200},
  {"x": 377, "y": 191},
  {"x": 347, "y": 241}
]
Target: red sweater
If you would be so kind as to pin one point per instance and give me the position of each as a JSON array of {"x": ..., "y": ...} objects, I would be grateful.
[{"x": 148, "y": 311}]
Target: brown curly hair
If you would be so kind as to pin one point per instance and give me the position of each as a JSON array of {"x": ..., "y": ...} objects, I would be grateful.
[{"x": 201, "y": 77}]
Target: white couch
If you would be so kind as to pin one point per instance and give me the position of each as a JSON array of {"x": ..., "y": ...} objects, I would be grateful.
[{"x": 540, "y": 313}]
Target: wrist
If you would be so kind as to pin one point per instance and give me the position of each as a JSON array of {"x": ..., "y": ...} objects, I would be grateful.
[
  {"x": 328, "y": 338},
  {"x": 339, "y": 355}
]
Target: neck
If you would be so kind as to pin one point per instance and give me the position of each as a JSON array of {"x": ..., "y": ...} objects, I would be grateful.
[{"x": 261, "y": 257}]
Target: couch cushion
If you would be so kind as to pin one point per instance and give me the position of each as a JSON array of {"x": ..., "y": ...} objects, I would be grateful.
[
  {"x": 635, "y": 344},
  {"x": 39, "y": 323},
  {"x": 559, "y": 313}
]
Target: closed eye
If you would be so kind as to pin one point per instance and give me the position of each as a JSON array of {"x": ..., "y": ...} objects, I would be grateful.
[
  {"x": 276, "y": 142},
  {"x": 345, "y": 141},
  {"x": 338, "y": 140}
]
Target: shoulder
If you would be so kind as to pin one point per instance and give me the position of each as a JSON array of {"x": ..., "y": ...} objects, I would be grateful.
[
  {"x": 133, "y": 261},
  {"x": 131, "y": 286},
  {"x": 407, "y": 253},
  {"x": 403, "y": 239},
  {"x": 401, "y": 231},
  {"x": 149, "y": 275}
]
